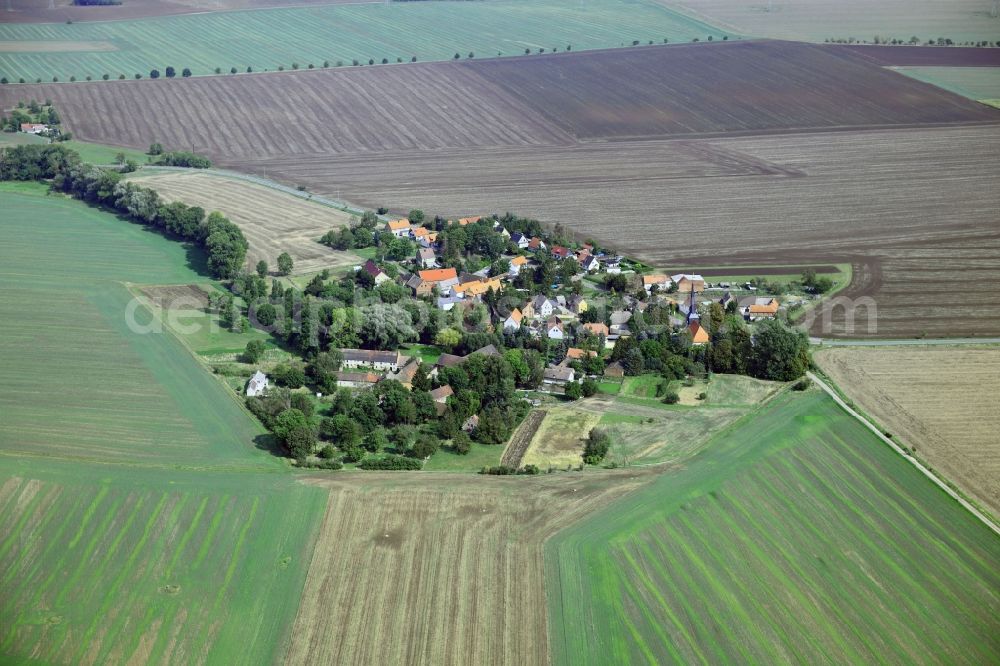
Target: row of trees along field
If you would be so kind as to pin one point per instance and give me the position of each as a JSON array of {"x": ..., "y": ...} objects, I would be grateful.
[{"x": 224, "y": 243}]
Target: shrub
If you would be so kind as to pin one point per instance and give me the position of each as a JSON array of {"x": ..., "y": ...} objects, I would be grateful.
[
  {"x": 328, "y": 452},
  {"x": 106, "y": 77},
  {"x": 391, "y": 463},
  {"x": 461, "y": 443},
  {"x": 802, "y": 384},
  {"x": 671, "y": 397},
  {"x": 232, "y": 70},
  {"x": 253, "y": 351},
  {"x": 703, "y": 396},
  {"x": 596, "y": 448}
]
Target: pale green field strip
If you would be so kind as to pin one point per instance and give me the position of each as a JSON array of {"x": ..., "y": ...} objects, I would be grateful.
[
  {"x": 79, "y": 383},
  {"x": 266, "y": 39},
  {"x": 150, "y": 567},
  {"x": 980, "y": 83},
  {"x": 793, "y": 537}
]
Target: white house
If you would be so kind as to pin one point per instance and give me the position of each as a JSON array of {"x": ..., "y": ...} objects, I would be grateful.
[
  {"x": 513, "y": 321},
  {"x": 591, "y": 264},
  {"x": 554, "y": 329},
  {"x": 426, "y": 258},
  {"x": 520, "y": 240},
  {"x": 257, "y": 385},
  {"x": 542, "y": 306}
]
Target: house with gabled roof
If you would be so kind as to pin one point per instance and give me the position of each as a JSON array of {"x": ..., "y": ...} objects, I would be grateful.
[
  {"x": 464, "y": 221},
  {"x": 559, "y": 252},
  {"x": 540, "y": 306},
  {"x": 576, "y": 354},
  {"x": 554, "y": 329},
  {"x": 398, "y": 228},
  {"x": 759, "y": 307},
  {"x": 257, "y": 385},
  {"x": 661, "y": 282},
  {"x": 520, "y": 240},
  {"x": 513, "y": 320},
  {"x": 591, "y": 264},
  {"x": 516, "y": 264},
  {"x": 376, "y": 272},
  {"x": 597, "y": 328},
  {"x": 688, "y": 282},
  {"x": 357, "y": 379},
  {"x": 424, "y": 237},
  {"x": 536, "y": 244},
  {"x": 426, "y": 258},
  {"x": 386, "y": 361}
]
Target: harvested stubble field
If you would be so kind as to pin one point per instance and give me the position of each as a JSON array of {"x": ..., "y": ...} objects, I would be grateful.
[
  {"x": 272, "y": 221},
  {"x": 781, "y": 542},
  {"x": 439, "y": 569},
  {"x": 266, "y": 39},
  {"x": 940, "y": 400},
  {"x": 816, "y": 20},
  {"x": 558, "y": 442}
]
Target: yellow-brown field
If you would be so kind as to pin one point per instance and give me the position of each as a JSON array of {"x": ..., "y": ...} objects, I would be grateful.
[
  {"x": 941, "y": 400},
  {"x": 438, "y": 568},
  {"x": 272, "y": 221}
]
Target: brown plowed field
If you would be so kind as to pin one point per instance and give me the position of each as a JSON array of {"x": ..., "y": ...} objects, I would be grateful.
[
  {"x": 923, "y": 56},
  {"x": 39, "y": 11},
  {"x": 712, "y": 88},
  {"x": 937, "y": 399},
  {"x": 438, "y": 568},
  {"x": 916, "y": 211},
  {"x": 422, "y": 106}
]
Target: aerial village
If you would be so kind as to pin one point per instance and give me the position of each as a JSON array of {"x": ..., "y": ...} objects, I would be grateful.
[{"x": 560, "y": 318}]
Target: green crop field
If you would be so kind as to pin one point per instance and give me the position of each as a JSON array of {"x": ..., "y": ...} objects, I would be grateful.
[
  {"x": 136, "y": 566},
  {"x": 973, "y": 82},
  {"x": 78, "y": 383},
  {"x": 267, "y": 39},
  {"x": 138, "y": 521},
  {"x": 795, "y": 537}
]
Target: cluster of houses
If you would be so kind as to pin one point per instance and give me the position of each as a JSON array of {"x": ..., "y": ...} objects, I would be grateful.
[{"x": 552, "y": 318}]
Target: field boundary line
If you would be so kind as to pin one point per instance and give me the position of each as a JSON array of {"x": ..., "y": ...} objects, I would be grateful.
[
  {"x": 916, "y": 463},
  {"x": 900, "y": 342}
]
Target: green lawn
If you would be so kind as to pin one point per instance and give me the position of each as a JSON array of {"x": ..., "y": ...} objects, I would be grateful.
[
  {"x": 794, "y": 537},
  {"x": 428, "y": 353},
  {"x": 140, "y": 521},
  {"x": 265, "y": 39},
  {"x": 481, "y": 455},
  {"x": 94, "y": 153}
]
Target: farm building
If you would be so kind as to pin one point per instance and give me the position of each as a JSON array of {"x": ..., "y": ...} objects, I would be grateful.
[
  {"x": 444, "y": 278},
  {"x": 426, "y": 258},
  {"x": 357, "y": 379},
  {"x": 379, "y": 275},
  {"x": 597, "y": 328},
  {"x": 257, "y": 385},
  {"x": 759, "y": 307},
  {"x": 575, "y": 353},
  {"x": 615, "y": 370},
  {"x": 377, "y": 360},
  {"x": 558, "y": 375},
  {"x": 661, "y": 282},
  {"x": 688, "y": 282},
  {"x": 406, "y": 373},
  {"x": 34, "y": 128}
]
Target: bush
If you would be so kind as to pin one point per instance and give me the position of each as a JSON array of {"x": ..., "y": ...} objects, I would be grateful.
[
  {"x": 323, "y": 464},
  {"x": 598, "y": 443},
  {"x": 253, "y": 351},
  {"x": 391, "y": 463},
  {"x": 671, "y": 397},
  {"x": 499, "y": 470},
  {"x": 291, "y": 376},
  {"x": 802, "y": 384},
  {"x": 461, "y": 443},
  {"x": 703, "y": 396},
  {"x": 328, "y": 452}
]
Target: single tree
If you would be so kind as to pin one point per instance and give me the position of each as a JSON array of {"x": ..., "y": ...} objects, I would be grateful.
[
  {"x": 170, "y": 72},
  {"x": 154, "y": 73},
  {"x": 284, "y": 263},
  {"x": 253, "y": 351},
  {"x": 186, "y": 72},
  {"x": 262, "y": 268}
]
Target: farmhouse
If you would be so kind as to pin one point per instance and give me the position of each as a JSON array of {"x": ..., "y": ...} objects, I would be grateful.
[
  {"x": 258, "y": 384},
  {"x": 419, "y": 286},
  {"x": 540, "y": 306},
  {"x": 406, "y": 373},
  {"x": 554, "y": 329},
  {"x": 516, "y": 264},
  {"x": 34, "y": 128},
  {"x": 558, "y": 375},
  {"x": 597, "y": 328},
  {"x": 661, "y": 282},
  {"x": 758, "y": 307},
  {"x": 444, "y": 278},
  {"x": 575, "y": 353},
  {"x": 613, "y": 265},
  {"x": 398, "y": 228},
  {"x": 591, "y": 264},
  {"x": 377, "y": 360},
  {"x": 521, "y": 241},
  {"x": 688, "y": 282}
]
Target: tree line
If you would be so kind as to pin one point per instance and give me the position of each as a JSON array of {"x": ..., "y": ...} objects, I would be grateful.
[{"x": 223, "y": 242}]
